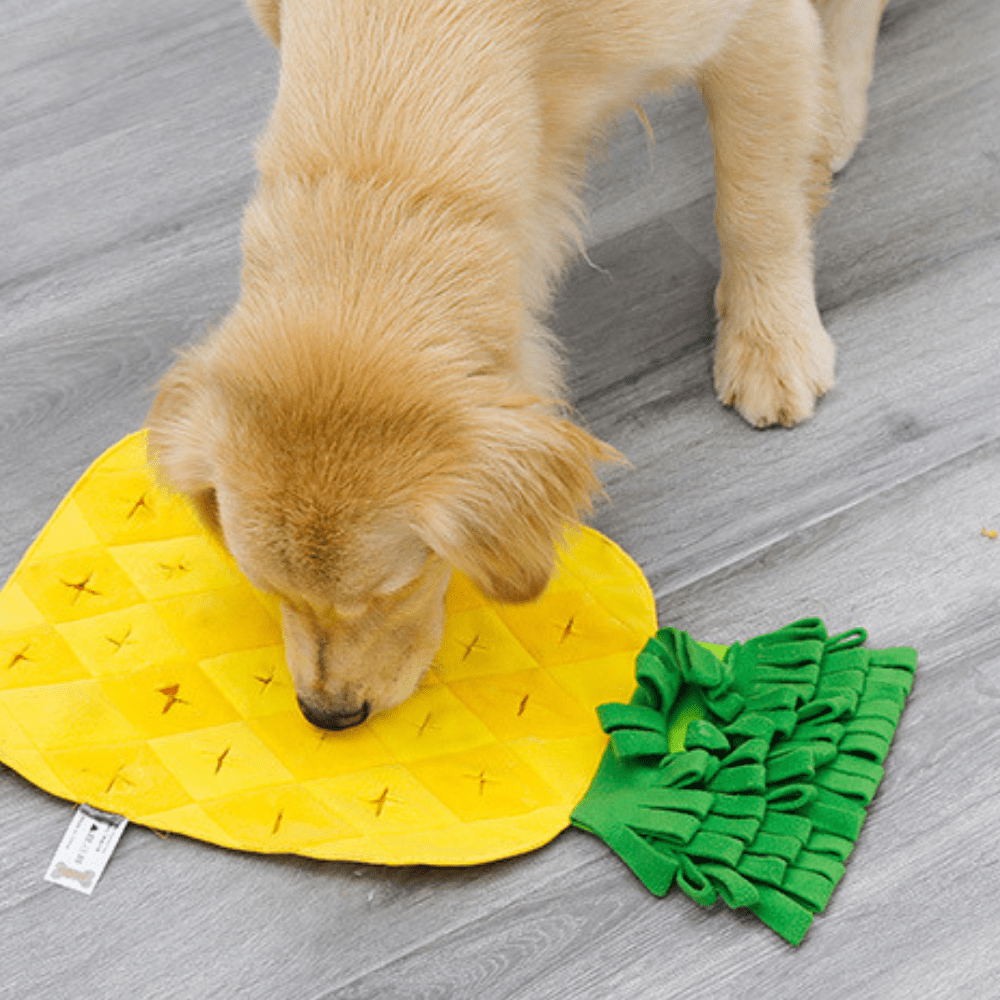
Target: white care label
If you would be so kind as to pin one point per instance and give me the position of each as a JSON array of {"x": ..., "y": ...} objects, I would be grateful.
[{"x": 85, "y": 849}]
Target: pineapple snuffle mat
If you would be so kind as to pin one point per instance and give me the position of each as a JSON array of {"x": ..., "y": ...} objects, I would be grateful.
[{"x": 141, "y": 673}]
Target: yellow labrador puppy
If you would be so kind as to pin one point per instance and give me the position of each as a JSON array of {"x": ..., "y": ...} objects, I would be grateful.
[{"x": 383, "y": 401}]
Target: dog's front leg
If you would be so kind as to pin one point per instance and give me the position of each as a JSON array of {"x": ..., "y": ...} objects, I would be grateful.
[
  {"x": 851, "y": 33},
  {"x": 767, "y": 100}
]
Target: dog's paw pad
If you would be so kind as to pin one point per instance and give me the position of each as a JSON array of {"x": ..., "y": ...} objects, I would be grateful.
[{"x": 771, "y": 381}]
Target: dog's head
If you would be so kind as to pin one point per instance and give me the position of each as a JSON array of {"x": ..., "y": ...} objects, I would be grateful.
[{"x": 352, "y": 491}]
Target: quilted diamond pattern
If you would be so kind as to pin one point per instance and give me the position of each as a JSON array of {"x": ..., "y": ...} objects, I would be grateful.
[{"x": 140, "y": 672}]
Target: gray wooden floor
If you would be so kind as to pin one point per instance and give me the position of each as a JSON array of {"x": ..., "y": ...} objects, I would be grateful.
[{"x": 125, "y": 157}]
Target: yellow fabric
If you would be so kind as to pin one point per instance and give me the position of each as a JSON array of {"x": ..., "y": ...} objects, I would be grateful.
[{"x": 141, "y": 673}]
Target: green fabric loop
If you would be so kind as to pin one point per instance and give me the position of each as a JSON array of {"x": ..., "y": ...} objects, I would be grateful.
[
  {"x": 841, "y": 659},
  {"x": 751, "y": 725},
  {"x": 702, "y": 667},
  {"x": 682, "y": 769},
  {"x": 739, "y": 805},
  {"x": 727, "y": 707},
  {"x": 743, "y": 829},
  {"x": 813, "y": 734},
  {"x": 657, "y": 676},
  {"x": 655, "y": 869},
  {"x": 803, "y": 630},
  {"x": 851, "y": 785},
  {"x": 695, "y": 663},
  {"x": 846, "y": 640},
  {"x": 900, "y": 657},
  {"x": 773, "y": 698},
  {"x": 783, "y": 722},
  {"x": 746, "y": 778},
  {"x": 834, "y": 708},
  {"x": 850, "y": 764},
  {"x": 799, "y": 659},
  {"x": 735, "y": 890},
  {"x": 638, "y": 743},
  {"x": 814, "y": 861},
  {"x": 828, "y": 817},
  {"x": 752, "y": 752},
  {"x": 823, "y": 753},
  {"x": 764, "y": 803},
  {"x": 697, "y": 802},
  {"x": 812, "y": 889},
  {"x": 776, "y": 845},
  {"x": 674, "y": 827},
  {"x": 874, "y": 726},
  {"x": 788, "y": 798},
  {"x": 715, "y": 847},
  {"x": 787, "y": 825},
  {"x": 614, "y": 716},
  {"x": 866, "y": 745},
  {"x": 695, "y": 883},
  {"x": 783, "y": 915},
  {"x": 763, "y": 870},
  {"x": 892, "y": 685},
  {"x": 892, "y": 676},
  {"x": 828, "y": 843},
  {"x": 846, "y": 681},
  {"x": 798, "y": 763},
  {"x": 801, "y": 679},
  {"x": 881, "y": 709},
  {"x": 799, "y": 643},
  {"x": 704, "y": 735}
]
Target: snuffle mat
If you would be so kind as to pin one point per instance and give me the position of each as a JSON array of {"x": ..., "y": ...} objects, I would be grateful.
[{"x": 141, "y": 673}]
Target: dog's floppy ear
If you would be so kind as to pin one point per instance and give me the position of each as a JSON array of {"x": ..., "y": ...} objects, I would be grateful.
[
  {"x": 180, "y": 424},
  {"x": 500, "y": 520}
]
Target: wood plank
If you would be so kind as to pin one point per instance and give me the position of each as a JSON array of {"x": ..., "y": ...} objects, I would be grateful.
[
  {"x": 919, "y": 889},
  {"x": 127, "y": 132},
  {"x": 916, "y": 387}
]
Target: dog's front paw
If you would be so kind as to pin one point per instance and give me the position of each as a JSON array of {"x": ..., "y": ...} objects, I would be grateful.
[{"x": 774, "y": 375}]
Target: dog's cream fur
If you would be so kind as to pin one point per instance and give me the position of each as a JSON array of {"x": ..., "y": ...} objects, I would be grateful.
[{"x": 383, "y": 402}]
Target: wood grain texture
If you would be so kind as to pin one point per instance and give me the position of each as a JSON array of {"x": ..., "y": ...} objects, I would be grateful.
[{"x": 127, "y": 134}]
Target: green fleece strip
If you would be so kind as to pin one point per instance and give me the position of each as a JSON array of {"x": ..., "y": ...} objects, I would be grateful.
[{"x": 764, "y": 800}]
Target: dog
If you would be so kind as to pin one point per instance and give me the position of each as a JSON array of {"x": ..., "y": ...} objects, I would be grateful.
[{"x": 384, "y": 403}]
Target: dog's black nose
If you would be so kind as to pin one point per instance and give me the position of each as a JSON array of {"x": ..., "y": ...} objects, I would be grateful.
[{"x": 327, "y": 719}]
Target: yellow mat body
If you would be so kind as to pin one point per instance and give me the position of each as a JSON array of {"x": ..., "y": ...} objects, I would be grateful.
[{"x": 141, "y": 673}]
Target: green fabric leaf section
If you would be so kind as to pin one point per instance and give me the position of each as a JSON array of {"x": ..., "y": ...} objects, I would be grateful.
[{"x": 746, "y": 776}]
